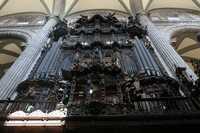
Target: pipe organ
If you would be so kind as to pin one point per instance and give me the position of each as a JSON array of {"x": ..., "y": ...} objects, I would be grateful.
[{"x": 102, "y": 66}]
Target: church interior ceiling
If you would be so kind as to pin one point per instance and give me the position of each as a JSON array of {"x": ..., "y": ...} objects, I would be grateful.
[{"x": 72, "y": 6}]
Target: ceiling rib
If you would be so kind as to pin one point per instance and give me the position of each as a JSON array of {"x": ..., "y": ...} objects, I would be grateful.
[
  {"x": 148, "y": 5},
  {"x": 196, "y": 2},
  {"x": 71, "y": 7},
  {"x": 124, "y": 6},
  {"x": 53, "y": 8},
  {"x": 189, "y": 59},
  {"x": 7, "y": 52},
  {"x": 188, "y": 49},
  {"x": 3, "y": 4},
  {"x": 46, "y": 7}
]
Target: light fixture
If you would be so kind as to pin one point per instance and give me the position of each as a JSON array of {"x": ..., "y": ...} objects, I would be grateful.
[{"x": 91, "y": 91}]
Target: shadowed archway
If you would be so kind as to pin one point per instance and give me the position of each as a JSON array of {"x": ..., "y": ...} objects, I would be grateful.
[
  {"x": 186, "y": 44},
  {"x": 10, "y": 50}
]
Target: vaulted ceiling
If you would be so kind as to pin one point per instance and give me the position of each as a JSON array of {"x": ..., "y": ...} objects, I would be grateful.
[
  {"x": 84, "y": 5},
  {"x": 19, "y": 6},
  {"x": 182, "y": 4},
  {"x": 73, "y": 6}
]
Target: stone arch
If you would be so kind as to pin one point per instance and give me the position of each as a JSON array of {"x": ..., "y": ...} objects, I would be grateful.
[
  {"x": 24, "y": 35},
  {"x": 183, "y": 38},
  {"x": 12, "y": 44}
]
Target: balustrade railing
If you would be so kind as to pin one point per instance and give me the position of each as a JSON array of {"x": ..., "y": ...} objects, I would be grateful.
[{"x": 182, "y": 105}]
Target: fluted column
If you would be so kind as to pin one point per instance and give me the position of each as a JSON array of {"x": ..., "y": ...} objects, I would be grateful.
[
  {"x": 161, "y": 41},
  {"x": 24, "y": 64}
]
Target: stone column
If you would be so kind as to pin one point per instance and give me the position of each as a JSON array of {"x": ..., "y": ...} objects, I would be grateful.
[
  {"x": 25, "y": 63},
  {"x": 162, "y": 42}
]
